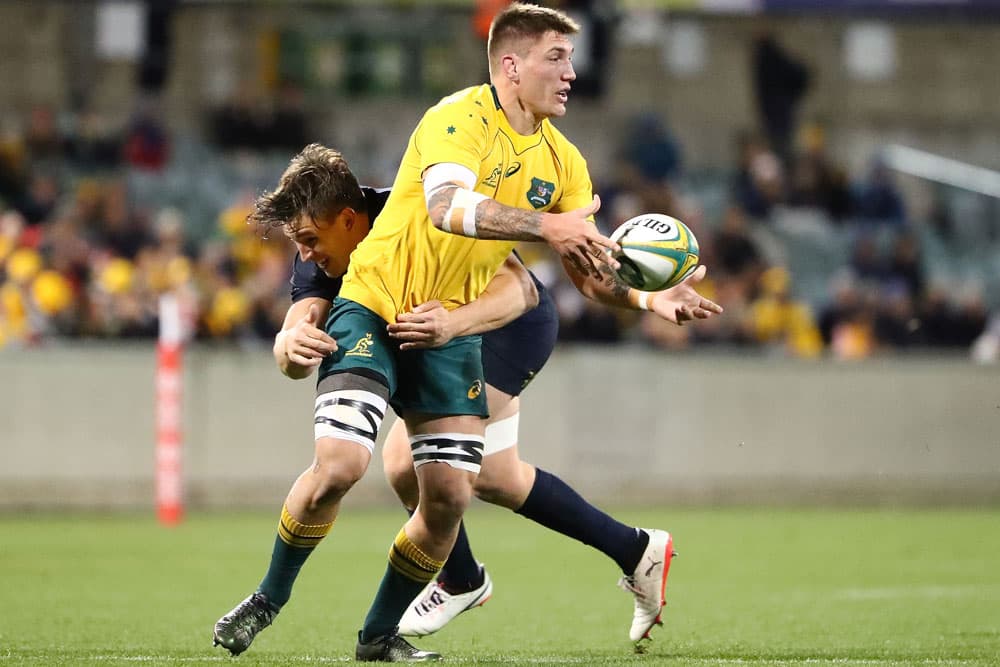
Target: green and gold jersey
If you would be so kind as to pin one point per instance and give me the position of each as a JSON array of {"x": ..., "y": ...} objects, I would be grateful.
[{"x": 406, "y": 260}]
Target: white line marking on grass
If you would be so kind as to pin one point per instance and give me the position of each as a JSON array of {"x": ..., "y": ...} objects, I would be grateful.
[
  {"x": 557, "y": 660},
  {"x": 832, "y": 661},
  {"x": 214, "y": 658}
]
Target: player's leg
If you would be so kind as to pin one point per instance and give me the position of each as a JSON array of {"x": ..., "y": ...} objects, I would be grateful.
[
  {"x": 461, "y": 571},
  {"x": 397, "y": 464},
  {"x": 349, "y": 411},
  {"x": 512, "y": 356},
  {"x": 463, "y": 583},
  {"x": 447, "y": 453},
  {"x": 308, "y": 513},
  {"x": 441, "y": 397},
  {"x": 350, "y": 405},
  {"x": 642, "y": 554},
  {"x": 510, "y": 365}
]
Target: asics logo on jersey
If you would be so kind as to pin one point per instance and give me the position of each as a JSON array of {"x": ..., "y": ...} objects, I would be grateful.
[
  {"x": 360, "y": 349},
  {"x": 512, "y": 169},
  {"x": 476, "y": 389},
  {"x": 540, "y": 193}
]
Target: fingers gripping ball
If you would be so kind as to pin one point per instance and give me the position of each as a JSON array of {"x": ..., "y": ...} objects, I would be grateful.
[{"x": 657, "y": 251}]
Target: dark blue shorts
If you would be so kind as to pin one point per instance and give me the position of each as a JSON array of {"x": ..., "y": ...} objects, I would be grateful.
[{"x": 515, "y": 353}]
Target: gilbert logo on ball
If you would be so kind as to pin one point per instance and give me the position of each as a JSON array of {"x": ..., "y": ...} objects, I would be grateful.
[{"x": 657, "y": 251}]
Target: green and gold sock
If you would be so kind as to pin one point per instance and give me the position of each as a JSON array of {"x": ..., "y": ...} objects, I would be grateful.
[
  {"x": 408, "y": 572},
  {"x": 292, "y": 546}
]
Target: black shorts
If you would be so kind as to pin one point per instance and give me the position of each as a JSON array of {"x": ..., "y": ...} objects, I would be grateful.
[{"x": 515, "y": 353}]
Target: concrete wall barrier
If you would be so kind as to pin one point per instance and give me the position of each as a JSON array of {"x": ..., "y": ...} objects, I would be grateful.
[{"x": 622, "y": 425}]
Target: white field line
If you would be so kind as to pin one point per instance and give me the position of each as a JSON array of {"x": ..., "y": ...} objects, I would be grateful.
[{"x": 555, "y": 660}]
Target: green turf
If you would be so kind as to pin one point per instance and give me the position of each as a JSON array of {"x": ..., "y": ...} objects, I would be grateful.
[{"x": 764, "y": 587}]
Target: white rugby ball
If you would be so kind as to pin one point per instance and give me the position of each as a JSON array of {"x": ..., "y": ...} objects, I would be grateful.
[{"x": 657, "y": 251}]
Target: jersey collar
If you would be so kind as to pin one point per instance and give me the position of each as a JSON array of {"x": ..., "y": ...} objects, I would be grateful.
[{"x": 522, "y": 142}]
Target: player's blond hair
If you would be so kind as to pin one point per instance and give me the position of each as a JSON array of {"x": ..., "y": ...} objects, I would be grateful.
[
  {"x": 523, "y": 20},
  {"x": 317, "y": 183}
]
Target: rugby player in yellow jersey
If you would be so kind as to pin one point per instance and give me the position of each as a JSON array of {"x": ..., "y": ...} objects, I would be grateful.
[
  {"x": 483, "y": 169},
  {"x": 484, "y": 163}
]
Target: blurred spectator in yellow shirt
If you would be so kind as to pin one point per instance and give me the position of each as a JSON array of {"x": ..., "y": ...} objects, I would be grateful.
[{"x": 779, "y": 320}]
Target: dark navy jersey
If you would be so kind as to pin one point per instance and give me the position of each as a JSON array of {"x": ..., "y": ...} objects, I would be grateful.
[
  {"x": 512, "y": 354},
  {"x": 516, "y": 352},
  {"x": 308, "y": 279}
]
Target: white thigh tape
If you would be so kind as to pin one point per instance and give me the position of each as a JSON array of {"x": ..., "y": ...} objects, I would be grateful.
[
  {"x": 349, "y": 414},
  {"x": 459, "y": 450},
  {"x": 502, "y": 435}
]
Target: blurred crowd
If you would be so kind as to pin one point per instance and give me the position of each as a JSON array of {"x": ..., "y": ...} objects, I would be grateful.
[
  {"x": 880, "y": 293},
  {"x": 81, "y": 257},
  {"x": 879, "y": 296}
]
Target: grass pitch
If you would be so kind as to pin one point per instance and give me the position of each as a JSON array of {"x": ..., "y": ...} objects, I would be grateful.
[{"x": 761, "y": 587}]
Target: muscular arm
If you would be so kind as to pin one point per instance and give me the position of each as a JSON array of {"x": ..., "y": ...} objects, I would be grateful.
[
  {"x": 508, "y": 295},
  {"x": 455, "y": 207},
  {"x": 493, "y": 220},
  {"x": 607, "y": 288},
  {"x": 301, "y": 345}
]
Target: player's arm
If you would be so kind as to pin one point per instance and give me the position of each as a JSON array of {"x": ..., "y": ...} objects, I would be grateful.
[
  {"x": 678, "y": 304},
  {"x": 508, "y": 295},
  {"x": 301, "y": 345},
  {"x": 455, "y": 207}
]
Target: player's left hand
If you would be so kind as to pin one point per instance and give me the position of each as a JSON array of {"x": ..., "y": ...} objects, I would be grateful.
[
  {"x": 427, "y": 325},
  {"x": 682, "y": 303}
]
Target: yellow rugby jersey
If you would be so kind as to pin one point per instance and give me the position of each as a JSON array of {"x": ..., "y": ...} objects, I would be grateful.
[{"x": 405, "y": 260}]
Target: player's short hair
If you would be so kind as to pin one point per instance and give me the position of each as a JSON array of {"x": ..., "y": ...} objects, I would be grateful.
[
  {"x": 521, "y": 20},
  {"x": 317, "y": 183}
]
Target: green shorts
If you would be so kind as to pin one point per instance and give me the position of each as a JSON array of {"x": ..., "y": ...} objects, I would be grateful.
[{"x": 447, "y": 380}]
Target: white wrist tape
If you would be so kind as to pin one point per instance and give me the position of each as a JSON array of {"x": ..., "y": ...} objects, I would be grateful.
[
  {"x": 644, "y": 300},
  {"x": 639, "y": 299},
  {"x": 460, "y": 218}
]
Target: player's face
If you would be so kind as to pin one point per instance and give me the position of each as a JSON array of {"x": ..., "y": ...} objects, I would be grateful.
[
  {"x": 327, "y": 243},
  {"x": 546, "y": 72}
]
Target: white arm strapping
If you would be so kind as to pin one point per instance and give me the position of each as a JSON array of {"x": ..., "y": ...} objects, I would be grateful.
[{"x": 460, "y": 218}]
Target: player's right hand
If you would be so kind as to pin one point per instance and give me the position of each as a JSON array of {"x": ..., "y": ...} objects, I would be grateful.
[
  {"x": 578, "y": 240},
  {"x": 682, "y": 303},
  {"x": 306, "y": 344}
]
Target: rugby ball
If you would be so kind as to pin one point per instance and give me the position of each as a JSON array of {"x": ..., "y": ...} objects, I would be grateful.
[{"x": 657, "y": 251}]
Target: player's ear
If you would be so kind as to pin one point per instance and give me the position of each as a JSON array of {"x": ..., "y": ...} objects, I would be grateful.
[
  {"x": 348, "y": 215},
  {"x": 508, "y": 64}
]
